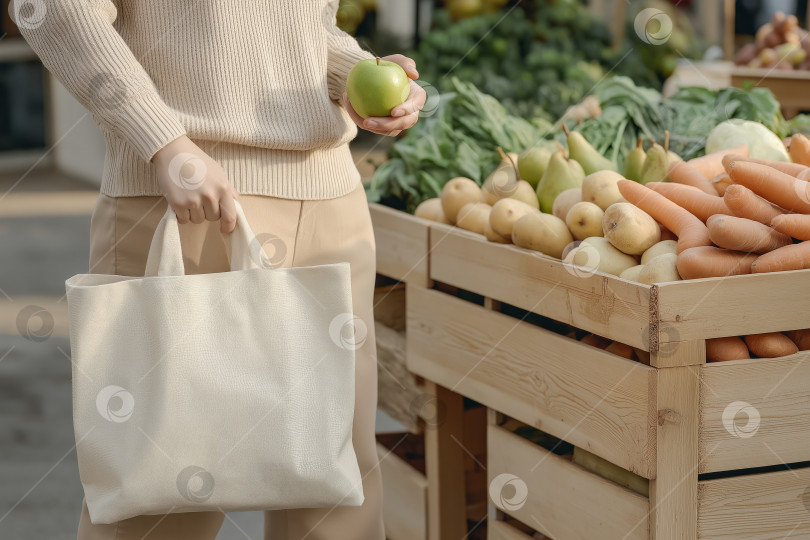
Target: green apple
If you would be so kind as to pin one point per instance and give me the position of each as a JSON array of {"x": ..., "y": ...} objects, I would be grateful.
[{"x": 376, "y": 86}]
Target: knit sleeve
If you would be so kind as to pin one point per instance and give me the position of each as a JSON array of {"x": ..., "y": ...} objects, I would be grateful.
[
  {"x": 344, "y": 53},
  {"x": 76, "y": 41}
]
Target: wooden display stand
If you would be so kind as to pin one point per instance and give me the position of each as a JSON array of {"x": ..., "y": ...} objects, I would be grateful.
[{"x": 713, "y": 470}]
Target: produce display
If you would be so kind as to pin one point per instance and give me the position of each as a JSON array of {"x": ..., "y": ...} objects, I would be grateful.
[
  {"x": 536, "y": 58},
  {"x": 779, "y": 44},
  {"x": 722, "y": 214}
]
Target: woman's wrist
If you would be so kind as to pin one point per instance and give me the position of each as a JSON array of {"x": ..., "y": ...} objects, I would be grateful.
[{"x": 179, "y": 144}]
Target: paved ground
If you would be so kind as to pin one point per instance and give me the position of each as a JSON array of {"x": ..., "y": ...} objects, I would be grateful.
[{"x": 43, "y": 241}]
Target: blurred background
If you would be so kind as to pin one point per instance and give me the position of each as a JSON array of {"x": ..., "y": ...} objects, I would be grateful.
[{"x": 538, "y": 59}]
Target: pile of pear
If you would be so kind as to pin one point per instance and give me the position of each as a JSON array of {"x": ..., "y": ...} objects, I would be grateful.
[{"x": 567, "y": 205}]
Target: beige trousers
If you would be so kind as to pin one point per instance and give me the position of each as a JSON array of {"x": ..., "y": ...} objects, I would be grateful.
[{"x": 293, "y": 233}]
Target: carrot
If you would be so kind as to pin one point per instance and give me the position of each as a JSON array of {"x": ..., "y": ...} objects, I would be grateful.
[
  {"x": 800, "y": 149},
  {"x": 775, "y": 186},
  {"x": 700, "y": 204},
  {"x": 792, "y": 257},
  {"x": 721, "y": 182},
  {"x": 745, "y": 203},
  {"x": 712, "y": 164},
  {"x": 620, "y": 349},
  {"x": 801, "y": 338},
  {"x": 726, "y": 348},
  {"x": 770, "y": 345},
  {"x": 690, "y": 230},
  {"x": 793, "y": 169},
  {"x": 795, "y": 225},
  {"x": 683, "y": 173},
  {"x": 595, "y": 341},
  {"x": 710, "y": 261},
  {"x": 746, "y": 235}
]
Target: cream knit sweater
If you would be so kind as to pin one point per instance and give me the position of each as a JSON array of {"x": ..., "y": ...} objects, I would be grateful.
[{"x": 257, "y": 84}]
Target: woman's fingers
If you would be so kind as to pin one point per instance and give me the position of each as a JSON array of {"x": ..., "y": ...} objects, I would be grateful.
[
  {"x": 389, "y": 125},
  {"x": 197, "y": 213},
  {"x": 211, "y": 208},
  {"x": 415, "y": 102},
  {"x": 227, "y": 207},
  {"x": 405, "y": 63}
]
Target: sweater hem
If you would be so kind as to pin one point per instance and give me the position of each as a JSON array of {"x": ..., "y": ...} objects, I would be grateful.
[{"x": 317, "y": 174}]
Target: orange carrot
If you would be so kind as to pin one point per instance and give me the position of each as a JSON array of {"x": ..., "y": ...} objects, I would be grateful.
[
  {"x": 700, "y": 204},
  {"x": 800, "y": 149},
  {"x": 792, "y": 257},
  {"x": 775, "y": 186},
  {"x": 620, "y": 349},
  {"x": 770, "y": 345},
  {"x": 721, "y": 182},
  {"x": 710, "y": 261},
  {"x": 793, "y": 169},
  {"x": 745, "y": 203},
  {"x": 795, "y": 225},
  {"x": 726, "y": 348},
  {"x": 801, "y": 338},
  {"x": 683, "y": 173},
  {"x": 746, "y": 235},
  {"x": 712, "y": 164},
  {"x": 690, "y": 230}
]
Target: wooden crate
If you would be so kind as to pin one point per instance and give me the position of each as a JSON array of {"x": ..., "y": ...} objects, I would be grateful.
[
  {"x": 402, "y": 244},
  {"x": 664, "y": 421}
]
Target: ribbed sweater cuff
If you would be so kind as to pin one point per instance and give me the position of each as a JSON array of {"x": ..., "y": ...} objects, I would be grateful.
[
  {"x": 341, "y": 63},
  {"x": 147, "y": 124}
]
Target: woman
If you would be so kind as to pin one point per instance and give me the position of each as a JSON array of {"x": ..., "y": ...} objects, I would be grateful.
[{"x": 202, "y": 102}]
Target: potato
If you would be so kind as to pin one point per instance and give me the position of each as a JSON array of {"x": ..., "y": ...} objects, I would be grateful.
[
  {"x": 631, "y": 274},
  {"x": 664, "y": 246},
  {"x": 492, "y": 236},
  {"x": 660, "y": 269},
  {"x": 602, "y": 188},
  {"x": 431, "y": 209},
  {"x": 630, "y": 229},
  {"x": 584, "y": 219},
  {"x": 456, "y": 193},
  {"x": 564, "y": 201},
  {"x": 598, "y": 253},
  {"x": 473, "y": 217},
  {"x": 506, "y": 212},
  {"x": 542, "y": 232}
]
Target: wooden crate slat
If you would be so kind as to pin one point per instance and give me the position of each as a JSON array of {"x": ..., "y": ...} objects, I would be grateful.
[
  {"x": 564, "y": 500},
  {"x": 604, "y": 305},
  {"x": 755, "y": 507},
  {"x": 738, "y": 305},
  {"x": 579, "y": 393},
  {"x": 405, "y": 501},
  {"x": 779, "y": 391},
  {"x": 402, "y": 244}
]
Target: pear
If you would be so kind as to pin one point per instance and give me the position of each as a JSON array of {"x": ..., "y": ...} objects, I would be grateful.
[
  {"x": 586, "y": 155},
  {"x": 503, "y": 182},
  {"x": 532, "y": 163},
  {"x": 634, "y": 162},
  {"x": 561, "y": 174},
  {"x": 656, "y": 165}
]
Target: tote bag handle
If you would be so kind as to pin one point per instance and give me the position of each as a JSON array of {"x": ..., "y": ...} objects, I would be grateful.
[{"x": 166, "y": 255}]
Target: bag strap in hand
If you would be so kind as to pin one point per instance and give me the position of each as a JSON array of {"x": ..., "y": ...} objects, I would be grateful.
[{"x": 166, "y": 255}]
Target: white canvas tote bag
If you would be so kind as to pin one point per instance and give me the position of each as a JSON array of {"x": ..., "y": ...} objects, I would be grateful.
[{"x": 226, "y": 391}]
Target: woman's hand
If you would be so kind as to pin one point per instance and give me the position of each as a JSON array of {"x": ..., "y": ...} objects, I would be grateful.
[
  {"x": 195, "y": 185},
  {"x": 402, "y": 116}
]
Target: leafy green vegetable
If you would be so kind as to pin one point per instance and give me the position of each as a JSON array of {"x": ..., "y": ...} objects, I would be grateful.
[{"x": 460, "y": 139}]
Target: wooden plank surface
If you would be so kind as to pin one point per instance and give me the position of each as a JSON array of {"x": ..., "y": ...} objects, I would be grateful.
[
  {"x": 765, "y": 506},
  {"x": 775, "y": 392},
  {"x": 738, "y": 305},
  {"x": 605, "y": 305},
  {"x": 499, "y": 530},
  {"x": 444, "y": 465},
  {"x": 402, "y": 244},
  {"x": 563, "y": 500},
  {"x": 405, "y": 501},
  {"x": 674, "y": 490},
  {"x": 579, "y": 393}
]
